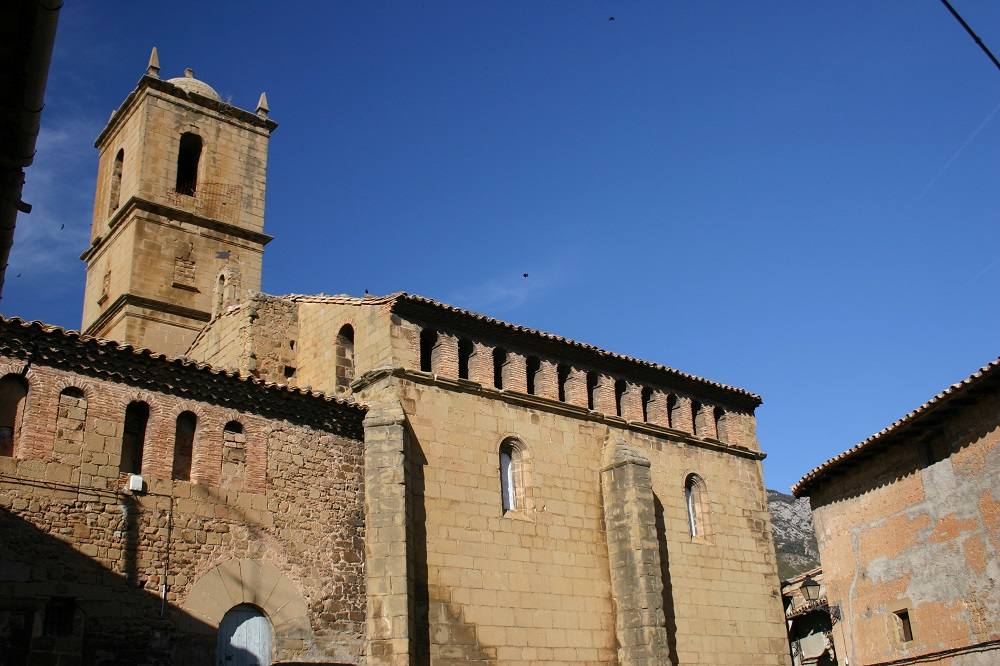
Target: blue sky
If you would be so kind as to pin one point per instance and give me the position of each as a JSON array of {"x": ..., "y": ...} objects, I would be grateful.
[{"x": 797, "y": 198}]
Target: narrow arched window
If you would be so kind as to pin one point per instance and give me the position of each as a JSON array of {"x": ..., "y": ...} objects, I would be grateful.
[
  {"x": 591, "y": 389},
  {"x": 116, "y": 181},
  {"x": 428, "y": 339},
  {"x": 465, "y": 350},
  {"x": 532, "y": 367},
  {"x": 133, "y": 437},
  {"x": 13, "y": 392},
  {"x": 499, "y": 361},
  {"x": 696, "y": 427},
  {"x": 345, "y": 357},
  {"x": 562, "y": 375},
  {"x": 696, "y": 500},
  {"x": 511, "y": 474},
  {"x": 220, "y": 295},
  {"x": 188, "y": 156},
  {"x": 187, "y": 423}
]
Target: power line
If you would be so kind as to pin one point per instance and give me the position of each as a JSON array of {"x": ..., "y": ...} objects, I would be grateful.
[{"x": 972, "y": 34}]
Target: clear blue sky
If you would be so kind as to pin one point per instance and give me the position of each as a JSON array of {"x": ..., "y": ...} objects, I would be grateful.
[{"x": 799, "y": 198}]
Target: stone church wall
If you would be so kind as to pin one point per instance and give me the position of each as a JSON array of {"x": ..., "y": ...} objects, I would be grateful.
[
  {"x": 533, "y": 585},
  {"x": 83, "y": 562}
]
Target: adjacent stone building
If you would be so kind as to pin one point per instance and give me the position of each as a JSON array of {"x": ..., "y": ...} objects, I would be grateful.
[
  {"x": 510, "y": 497},
  {"x": 908, "y": 524}
]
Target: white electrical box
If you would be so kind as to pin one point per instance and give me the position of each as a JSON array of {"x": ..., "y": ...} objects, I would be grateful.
[{"x": 135, "y": 483}]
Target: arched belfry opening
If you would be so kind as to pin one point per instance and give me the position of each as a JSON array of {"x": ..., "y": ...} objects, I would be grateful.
[{"x": 188, "y": 157}]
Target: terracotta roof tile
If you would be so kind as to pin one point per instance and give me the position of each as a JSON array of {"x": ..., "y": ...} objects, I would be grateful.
[
  {"x": 143, "y": 353},
  {"x": 810, "y": 478}
]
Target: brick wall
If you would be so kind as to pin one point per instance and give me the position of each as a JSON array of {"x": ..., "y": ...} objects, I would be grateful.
[
  {"x": 897, "y": 533},
  {"x": 291, "y": 500}
]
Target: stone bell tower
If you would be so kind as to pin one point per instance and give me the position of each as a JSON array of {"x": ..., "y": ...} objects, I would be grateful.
[{"x": 178, "y": 230}]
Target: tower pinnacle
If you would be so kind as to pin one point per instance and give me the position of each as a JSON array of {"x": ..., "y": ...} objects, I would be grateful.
[{"x": 153, "y": 68}]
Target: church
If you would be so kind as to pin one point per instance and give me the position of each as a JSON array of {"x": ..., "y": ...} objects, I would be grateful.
[{"x": 207, "y": 474}]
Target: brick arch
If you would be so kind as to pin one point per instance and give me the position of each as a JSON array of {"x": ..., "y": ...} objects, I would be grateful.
[
  {"x": 13, "y": 368},
  {"x": 256, "y": 582},
  {"x": 74, "y": 382}
]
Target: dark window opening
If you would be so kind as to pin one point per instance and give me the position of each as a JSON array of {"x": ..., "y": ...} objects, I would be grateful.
[
  {"x": 289, "y": 371},
  {"x": 234, "y": 427},
  {"x": 533, "y": 366},
  {"x": 188, "y": 156},
  {"x": 695, "y": 411},
  {"x": 647, "y": 396},
  {"x": 13, "y": 391},
  {"x": 903, "y": 622},
  {"x": 591, "y": 388},
  {"x": 345, "y": 357},
  {"x": 619, "y": 394},
  {"x": 563, "y": 375},
  {"x": 59, "y": 618},
  {"x": 718, "y": 415},
  {"x": 187, "y": 423},
  {"x": 428, "y": 339},
  {"x": 499, "y": 361},
  {"x": 465, "y": 349},
  {"x": 134, "y": 437},
  {"x": 116, "y": 181}
]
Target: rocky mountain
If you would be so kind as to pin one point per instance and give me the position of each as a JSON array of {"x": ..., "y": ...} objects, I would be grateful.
[{"x": 794, "y": 539}]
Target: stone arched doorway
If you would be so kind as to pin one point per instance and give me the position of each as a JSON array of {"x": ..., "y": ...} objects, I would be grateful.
[
  {"x": 250, "y": 584},
  {"x": 245, "y": 638}
]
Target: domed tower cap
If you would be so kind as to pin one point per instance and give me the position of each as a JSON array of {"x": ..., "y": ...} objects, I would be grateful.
[{"x": 188, "y": 83}]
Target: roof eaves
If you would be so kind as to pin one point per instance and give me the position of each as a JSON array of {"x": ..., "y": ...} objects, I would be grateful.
[
  {"x": 945, "y": 396},
  {"x": 516, "y": 328}
]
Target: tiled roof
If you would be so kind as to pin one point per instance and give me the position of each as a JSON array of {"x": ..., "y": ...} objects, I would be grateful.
[
  {"x": 403, "y": 297},
  {"x": 801, "y": 488},
  {"x": 135, "y": 356}
]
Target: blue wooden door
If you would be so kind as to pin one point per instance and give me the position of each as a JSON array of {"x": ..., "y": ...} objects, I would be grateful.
[{"x": 245, "y": 638}]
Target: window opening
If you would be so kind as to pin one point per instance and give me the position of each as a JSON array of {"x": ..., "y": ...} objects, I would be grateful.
[
  {"x": 134, "y": 437},
  {"x": 465, "y": 349},
  {"x": 533, "y": 366},
  {"x": 188, "y": 156},
  {"x": 428, "y": 338},
  {"x": 562, "y": 373},
  {"x": 591, "y": 388},
  {"x": 903, "y": 623},
  {"x": 509, "y": 461},
  {"x": 13, "y": 391},
  {"x": 499, "y": 360},
  {"x": 345, "y": 357},
  {"x": 697, "y": 506},
  {"x": 718, "y": 415},
  {"x": 187, "y": 423},
  {"x": 116, "y": 181},
  {"x": 619, "y": 394},
  {"x": 647, "y": 396},
  {"x": 695, "y": 412}
]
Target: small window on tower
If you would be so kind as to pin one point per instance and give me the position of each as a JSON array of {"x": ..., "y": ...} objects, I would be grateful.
[
  {"x": 116, "y": 181},
  {"x": 903, "y": 625},
  {"x": 188, "y": 156}
]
